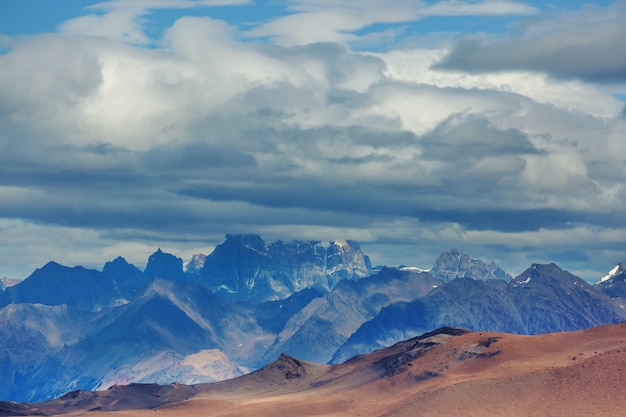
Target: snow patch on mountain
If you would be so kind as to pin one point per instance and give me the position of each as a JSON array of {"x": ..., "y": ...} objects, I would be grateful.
[{"x": 619, "y": 269}]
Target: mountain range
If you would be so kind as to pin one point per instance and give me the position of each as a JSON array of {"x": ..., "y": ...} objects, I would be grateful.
[{"x": 239, "y": 308}]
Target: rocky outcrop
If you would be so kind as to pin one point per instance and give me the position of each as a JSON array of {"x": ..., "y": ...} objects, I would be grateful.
[
  {"x": 165, "y": 265},
  {"x": 196, "y": 263}
]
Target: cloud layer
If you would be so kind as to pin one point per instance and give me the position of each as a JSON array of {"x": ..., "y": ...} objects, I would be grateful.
[
  {"x": 585, "y": 44},
  {"x": 511, "y": 148}
]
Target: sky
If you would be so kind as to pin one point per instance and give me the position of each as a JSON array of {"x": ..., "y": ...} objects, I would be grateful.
[{"x": 496, "y": 127}]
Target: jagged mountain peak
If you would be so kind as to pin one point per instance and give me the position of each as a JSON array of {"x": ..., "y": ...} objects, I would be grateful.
[
  {"x": 164, "y": 265},
  {"x": 619, "y": 269},
  {"x": 245, "y": 268},
  {"x": 195, "y": 264},
  {"x": 128, "y": 277},
  {"x": 613, "y": 284},
  {"x": 456, "y": 264}
]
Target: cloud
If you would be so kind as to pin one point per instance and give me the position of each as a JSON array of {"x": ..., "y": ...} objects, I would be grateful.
[
  {"x": 162, "y": 4},
  {"x": 484, "y": 8},
  {"x": 338, "y": 21},
  {"x": 585, "y": 44},
  {"x": 125, "y": 20},
  {"x": 130, "y": 145},
  {"x": 462, "y": 139}
]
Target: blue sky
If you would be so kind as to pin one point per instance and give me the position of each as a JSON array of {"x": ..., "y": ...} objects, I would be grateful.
[{"x": 493, "y": 126}]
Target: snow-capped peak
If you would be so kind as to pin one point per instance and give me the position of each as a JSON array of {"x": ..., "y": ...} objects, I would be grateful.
[{"x": 619, "y": 268}]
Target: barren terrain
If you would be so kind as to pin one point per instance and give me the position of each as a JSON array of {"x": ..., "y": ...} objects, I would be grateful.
[{"x": 449, "y": 372}]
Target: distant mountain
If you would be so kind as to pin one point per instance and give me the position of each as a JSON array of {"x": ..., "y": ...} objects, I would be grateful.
[
  {"x": 550, "y": 299},
  {"x": 462, "y": 302},
  {"x": 30, "y": 336},
  {"x": 128, "y": 277},
  {"x": 542, "y": 299},
  {"x": 613, "y": 284},
  {"x": 456, "y": 264},
  {"x": 172, "y": 331},
  {"x": 322, "y": 326},
  {"x": 54, "y": 284},
  {"x": 196, "y": 263},
  {"x": 245, "y": 268},
  {"x": 165, "y": 265}
]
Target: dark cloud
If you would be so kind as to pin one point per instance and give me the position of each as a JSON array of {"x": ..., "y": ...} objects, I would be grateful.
[
  {"x": 588, "y": 45},
  {"x": 195, "y": 156},
  {"x": 470, "y": 137},
  {"x": 505, "y": 220}
]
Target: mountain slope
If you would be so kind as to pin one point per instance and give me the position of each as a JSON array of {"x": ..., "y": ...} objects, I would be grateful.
[
  {"x": 449, "y": 371},
  {"x": 129, "y": 278},
  {"x": 542, "y": 299},
  {"x": 30, "y": 335},
  {"x": 550, "y": 299},
  {"x": 613, "y": 284},
  {"x": 172, "y": 331},
  {"x": 317, "y": 331}
]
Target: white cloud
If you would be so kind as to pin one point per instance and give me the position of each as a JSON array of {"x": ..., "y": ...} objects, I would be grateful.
[
  {"x": 163, "y": 4},
  {"x": 338, "y": 21},
  {"x": 483, "y": 8},
  {"x": 123, "y": 25},
  {"x": 416, "y": 66}
]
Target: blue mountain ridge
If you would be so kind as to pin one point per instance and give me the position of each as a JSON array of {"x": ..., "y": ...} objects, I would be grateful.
[{"x": 66, "y": 328}]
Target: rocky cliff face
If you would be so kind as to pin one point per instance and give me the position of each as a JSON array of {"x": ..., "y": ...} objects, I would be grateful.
[
  {"x": 245, "y": 268},
  {"x": 165, "y": 265},
  {"x": 196, "y": 263},
  {"x": 456, "y": 264}
]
